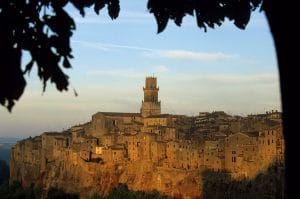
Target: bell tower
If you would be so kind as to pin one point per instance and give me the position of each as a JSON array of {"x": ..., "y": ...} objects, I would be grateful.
[{"x": 150, "y": 104}]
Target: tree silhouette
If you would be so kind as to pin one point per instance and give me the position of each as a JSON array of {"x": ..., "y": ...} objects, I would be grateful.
[
  {"x": 267, "y": 184},
  {"x": 43, "y": 28},
  {"x": 4, "y": 171}
]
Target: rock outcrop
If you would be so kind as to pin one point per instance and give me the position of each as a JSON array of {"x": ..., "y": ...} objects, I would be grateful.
[{"x": 75, "y": 175}]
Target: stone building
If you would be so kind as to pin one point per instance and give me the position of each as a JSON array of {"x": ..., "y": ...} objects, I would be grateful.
[
  {"x": 172, "y": 154},
  {"x": 53, "y": 143},
  {"x": 213, "y": 157},
  {"x": 139, "y": 146},
  {"x": 113, "y": 122},
  {"x": 158, "y": 151},
  {"x": 115, "y": 153},
  {"x": 239, "y": 147},
  {"x": 271, "y": 145},
  {"x": 150, "y": 104}
]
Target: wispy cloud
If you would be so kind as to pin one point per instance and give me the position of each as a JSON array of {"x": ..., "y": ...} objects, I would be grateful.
[
  {"x": 135, "y": 15},
  {"x": 129, "y": 73},
  {"x": 155, "y": 53},
  {"x": 89, "y": 20},
  {"x": 116, "y": 73},
  {"x": 192, "y": 55},
  {"x": 161, "y": 69},
  {"x": 93, "y": 45},
  {"x": 228, "y": 78},
  {"x": 163, "y": 72},
  {"x": 106, "y": 47}
]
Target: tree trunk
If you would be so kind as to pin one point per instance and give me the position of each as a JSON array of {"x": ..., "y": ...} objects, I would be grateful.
[{"x": 281, "y": 22}]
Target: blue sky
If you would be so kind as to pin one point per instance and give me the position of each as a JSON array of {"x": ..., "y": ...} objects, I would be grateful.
[{"x": 223, "y": 69}]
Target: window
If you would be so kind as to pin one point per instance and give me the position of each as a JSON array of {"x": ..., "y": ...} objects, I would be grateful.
[
  {"x": 233, "y": 159},
  {"x": 268, "y": 142},
  {"x": 233, "y": 152}
]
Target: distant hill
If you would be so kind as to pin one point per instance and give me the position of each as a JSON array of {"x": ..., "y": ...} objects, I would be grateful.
[
  {"x": 8, "y": 140},
  {"x": 4, "y": 153},
  {"x": 5, "y": 147}
]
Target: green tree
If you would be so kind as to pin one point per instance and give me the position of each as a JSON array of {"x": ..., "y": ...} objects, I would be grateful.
[
  {"x": 16, "y": 191},
  {"x": 57, "y": 193},
  {"x": 268, "y": 184},
  {"x": 122, "y": 191}
]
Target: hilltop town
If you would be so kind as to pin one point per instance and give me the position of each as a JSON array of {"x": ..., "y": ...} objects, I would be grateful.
[{"x": 149, "y": 150}]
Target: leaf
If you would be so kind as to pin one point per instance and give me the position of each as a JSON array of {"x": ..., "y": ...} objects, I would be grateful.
[
  {"x": 255, "y": 3},
  {"x": 61, "y": 23},
  {"x": 66, "y": 19},
  {"x": 66, "y": 63},
  {"x": 79, "y": 4},
  {"x": 242, "y": 15},
  {"x": 59, "y": 3},
  {"x": 178, "y": 20},
  {"x": 10, "y": 105},
  {"x": 75, "y": 92},
  {"x": 28, "y": 67},
  {"x": 113, "y": 8},
  {"x": 62, "y": 45},
  {"x": 99, "y": 4},
  {"x": 60, "y": 79},
  {"x": 162, "y": 21},
  {"x": 12, "y": 81},
  {"x": 200, "y": 22}
]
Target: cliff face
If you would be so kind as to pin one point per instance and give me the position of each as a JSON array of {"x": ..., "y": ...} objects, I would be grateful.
[
  {"x": 153, "y": 153},
  {"x": 73, "y": 174}
]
